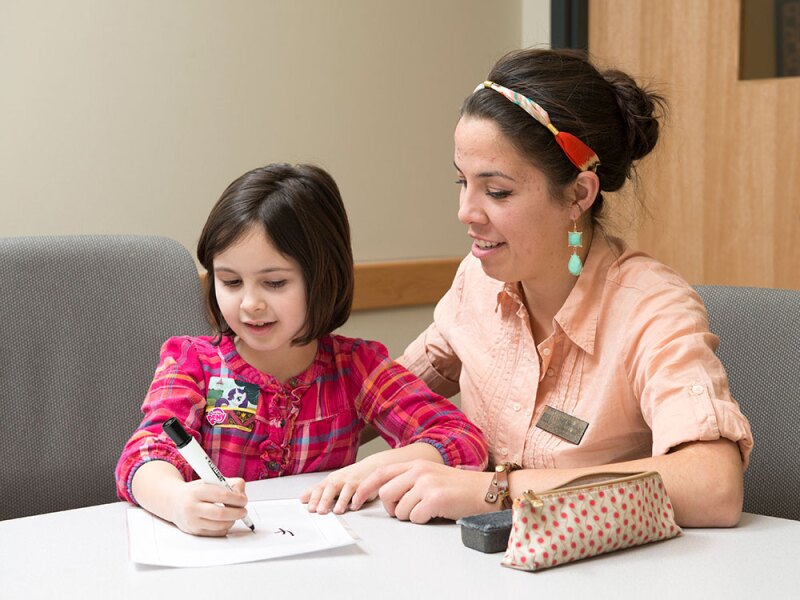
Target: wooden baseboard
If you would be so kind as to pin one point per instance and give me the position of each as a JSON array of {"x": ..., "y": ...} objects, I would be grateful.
[{"x": 399, "y": 283}]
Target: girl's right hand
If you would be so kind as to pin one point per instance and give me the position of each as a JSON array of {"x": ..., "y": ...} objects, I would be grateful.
[
  {"x": 195, "y": 507},
  {"x": 205, "y": 509}
]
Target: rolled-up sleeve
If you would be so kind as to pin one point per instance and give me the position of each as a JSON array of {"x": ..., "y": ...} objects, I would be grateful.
[{"x": 675, "y": 372}]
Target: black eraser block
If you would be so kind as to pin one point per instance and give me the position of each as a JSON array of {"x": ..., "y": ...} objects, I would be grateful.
[{"x": 487, "y": 532}]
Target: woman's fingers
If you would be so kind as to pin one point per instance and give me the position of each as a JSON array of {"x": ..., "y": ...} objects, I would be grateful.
[
  {"x": 393, "y": 493},
  {"x": 405, "y": 505},
  {"x": 375, "y": 481}
]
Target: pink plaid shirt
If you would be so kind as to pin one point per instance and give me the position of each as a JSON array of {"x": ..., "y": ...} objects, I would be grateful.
[{"x": 254, "y": 427}]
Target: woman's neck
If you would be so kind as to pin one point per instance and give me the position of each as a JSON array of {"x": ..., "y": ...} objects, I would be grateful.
[{"x": 545, "y": 296}]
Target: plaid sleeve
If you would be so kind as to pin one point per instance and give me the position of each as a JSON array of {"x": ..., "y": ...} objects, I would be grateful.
[
  {"x": 177, "y": 390},
  {"x": 404, "y": 410}
]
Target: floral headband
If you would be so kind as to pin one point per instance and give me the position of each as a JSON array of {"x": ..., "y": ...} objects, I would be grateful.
[{"x": 578, "y": 153}]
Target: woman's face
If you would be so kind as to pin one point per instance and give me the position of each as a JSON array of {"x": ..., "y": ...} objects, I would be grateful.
[{"x": 519, "y": 231}]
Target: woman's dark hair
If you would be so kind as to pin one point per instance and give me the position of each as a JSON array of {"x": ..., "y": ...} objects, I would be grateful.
[
  {"x": 302, "y": 213},
  {"x": 607, "y": 110}
]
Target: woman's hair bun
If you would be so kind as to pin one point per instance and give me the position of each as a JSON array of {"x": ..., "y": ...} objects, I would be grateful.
[{"x": 641, "y": 110}]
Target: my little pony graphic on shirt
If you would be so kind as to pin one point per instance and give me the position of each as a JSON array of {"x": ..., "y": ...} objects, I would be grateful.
[{"x": 231, "y": 403}]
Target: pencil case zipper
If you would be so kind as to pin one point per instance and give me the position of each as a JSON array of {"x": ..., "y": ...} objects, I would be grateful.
[{"x": 595, "y": 479}]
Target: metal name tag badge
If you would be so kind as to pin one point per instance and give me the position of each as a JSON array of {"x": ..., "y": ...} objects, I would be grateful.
[{"x": 562, "y": 425}]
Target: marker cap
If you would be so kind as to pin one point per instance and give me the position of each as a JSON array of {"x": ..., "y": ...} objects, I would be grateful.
[{"x": 173, "y": 428}]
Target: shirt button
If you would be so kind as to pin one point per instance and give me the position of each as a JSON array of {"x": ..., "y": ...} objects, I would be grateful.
[
  {"x": 504, "y": 451},
  {"x": 696, "y": 390},
  {"x": 550, "y": 372},
  {"x": 546, "y": 351},
  {"x": 272, "y": 465},
  {"x": 527, "y": 412},
  {"x": 516, "y": 406}
]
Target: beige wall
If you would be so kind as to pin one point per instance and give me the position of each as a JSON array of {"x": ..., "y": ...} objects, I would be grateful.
[
  {"x": 132, "y": 117},
  {"x": 530, "y": 22}
]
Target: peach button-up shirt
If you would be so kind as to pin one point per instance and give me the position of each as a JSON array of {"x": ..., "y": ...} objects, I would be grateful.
[{"x": 630, "y": 354}]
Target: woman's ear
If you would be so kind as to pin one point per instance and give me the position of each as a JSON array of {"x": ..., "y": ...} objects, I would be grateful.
[{"x": 585, "y": 188}]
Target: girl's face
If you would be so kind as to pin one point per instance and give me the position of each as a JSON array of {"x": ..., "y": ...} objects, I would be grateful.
[
  {"x": 519, "y": 231},
  {"x": 261, "y": 294}
]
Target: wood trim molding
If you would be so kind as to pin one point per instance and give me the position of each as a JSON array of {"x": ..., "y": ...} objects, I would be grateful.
[
  {"x": 403, "y": 283},
  {"x": 398, "y": 283}
]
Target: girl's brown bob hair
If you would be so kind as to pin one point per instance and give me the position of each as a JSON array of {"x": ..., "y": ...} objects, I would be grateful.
[{"x": 302, "y": 213}]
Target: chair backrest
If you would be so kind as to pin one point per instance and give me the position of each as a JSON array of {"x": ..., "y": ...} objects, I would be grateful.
[
  {"x": 83, "y": 318},
  {"x": 759, "y": 332}
]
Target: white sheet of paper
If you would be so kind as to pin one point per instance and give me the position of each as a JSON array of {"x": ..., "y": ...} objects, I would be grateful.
[{"x": 283, "y": 528}]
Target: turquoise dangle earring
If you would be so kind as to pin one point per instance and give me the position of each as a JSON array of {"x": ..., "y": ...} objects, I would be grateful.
[{"x": 574, "y": 241}]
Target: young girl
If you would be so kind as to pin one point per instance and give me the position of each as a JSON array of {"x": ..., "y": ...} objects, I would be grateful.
[{"x": 274, "y": 392}]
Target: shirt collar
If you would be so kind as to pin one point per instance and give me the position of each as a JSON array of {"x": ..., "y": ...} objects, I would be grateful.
[
  {"x": 509, "y": 301},
  {"x": 323, "y": 363}
]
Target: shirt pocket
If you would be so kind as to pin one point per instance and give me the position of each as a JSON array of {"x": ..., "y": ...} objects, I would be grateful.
[{"x": 326, "y": 443}]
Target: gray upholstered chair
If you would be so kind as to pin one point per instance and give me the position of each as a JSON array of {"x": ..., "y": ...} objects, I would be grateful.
[
  {"x": 83, "y": 318},
  {"x": 759, "y": 331}
]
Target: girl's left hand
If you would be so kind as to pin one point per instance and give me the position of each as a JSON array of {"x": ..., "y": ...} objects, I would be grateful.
[{"x": 338, "y": 487}]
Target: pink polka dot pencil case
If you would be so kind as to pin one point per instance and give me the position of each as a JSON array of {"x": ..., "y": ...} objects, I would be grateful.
[{"x": 578, "y": 521}]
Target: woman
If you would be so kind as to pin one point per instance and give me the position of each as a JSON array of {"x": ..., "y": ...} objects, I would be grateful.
[{"x": 573, "y": 353}]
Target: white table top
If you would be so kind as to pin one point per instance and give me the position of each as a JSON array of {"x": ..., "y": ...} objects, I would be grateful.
[{"x": 83, "y": 554}]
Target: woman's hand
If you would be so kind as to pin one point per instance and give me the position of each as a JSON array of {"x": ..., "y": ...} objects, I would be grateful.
[{"x": 419, "y": 491}]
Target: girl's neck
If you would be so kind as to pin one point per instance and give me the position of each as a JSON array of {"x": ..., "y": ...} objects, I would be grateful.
[{"x": 281, "y": 364}]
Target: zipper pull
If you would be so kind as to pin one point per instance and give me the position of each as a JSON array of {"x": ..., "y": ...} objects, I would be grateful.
[{"x": 531, "y": 497}]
